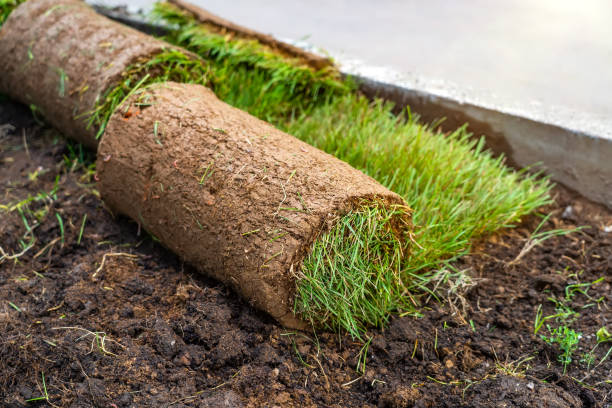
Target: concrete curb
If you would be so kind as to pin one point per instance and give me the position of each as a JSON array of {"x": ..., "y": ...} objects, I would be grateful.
[
  {"x": 577, "y": 159},
  {"x": 575, "y": 150}
]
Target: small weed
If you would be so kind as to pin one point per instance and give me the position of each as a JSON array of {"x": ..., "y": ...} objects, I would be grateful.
[
  {"x": 156, "y": 133},
  {"x": 603, "y": 335},
  {"x": 78, "y": 157},
  {"x": 472, "y": 326},
  {"x": 14, "y": 306},
  {"x": 45, "y": 396},
  {"x": 517, "y": 368},
  {"x": 32, "y": 211},
  {"x": 295, "y": 347},
  {"x": 582, "y": 288},
  {"x": 563, "y": 335},
  {"x": 363, "y": 357},
  {"x": 588, "y": 359},
  {"x": 207, "y": 172},
  {"x": 540, "y": 319},
  {"x": 61, "y": 227},
  {"x": 567, "y": 339}
]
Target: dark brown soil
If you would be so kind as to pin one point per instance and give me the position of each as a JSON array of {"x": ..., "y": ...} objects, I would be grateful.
[{"x": 174, "y": 338}]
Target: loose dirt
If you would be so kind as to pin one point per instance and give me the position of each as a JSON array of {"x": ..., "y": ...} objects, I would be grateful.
[{"x": 119, "y": 321}]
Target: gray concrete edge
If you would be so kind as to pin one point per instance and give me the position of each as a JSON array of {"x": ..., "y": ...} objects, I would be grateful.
[{"x": 578, "y": 159}]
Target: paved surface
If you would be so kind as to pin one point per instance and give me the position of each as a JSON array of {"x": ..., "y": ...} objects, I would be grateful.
[{"x": 556, "y": 53}]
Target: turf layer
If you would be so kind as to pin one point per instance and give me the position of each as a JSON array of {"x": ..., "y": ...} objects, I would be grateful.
[{"x": 457, "y": 189}]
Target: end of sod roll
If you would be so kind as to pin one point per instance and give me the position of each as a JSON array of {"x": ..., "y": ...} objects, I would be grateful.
[{"x": 298, "y": 233}]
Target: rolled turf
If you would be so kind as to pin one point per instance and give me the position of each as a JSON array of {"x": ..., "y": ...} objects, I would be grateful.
[
  {"x": 231, "y": 194},
  {"x": 64, "y": 59},
  {"x": 242, "y": 201},
  {"x": 458, "y": 190}
]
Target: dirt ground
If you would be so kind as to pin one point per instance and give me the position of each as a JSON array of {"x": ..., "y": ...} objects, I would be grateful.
[{"x": 109, "y": 318}]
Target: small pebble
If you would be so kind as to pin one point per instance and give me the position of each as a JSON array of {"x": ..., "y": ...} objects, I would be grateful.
[{"x": 530, "y": 385}]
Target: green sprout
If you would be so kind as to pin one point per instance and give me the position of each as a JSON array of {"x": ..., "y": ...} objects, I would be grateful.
[{"x": 567, "y": 339}]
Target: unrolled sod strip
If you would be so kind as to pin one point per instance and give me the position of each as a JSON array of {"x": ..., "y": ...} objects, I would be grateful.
[
  {"x": 62, "y": 57},
  {"x": 225, "y": 26},
  {"x": 229, "y": 193}
]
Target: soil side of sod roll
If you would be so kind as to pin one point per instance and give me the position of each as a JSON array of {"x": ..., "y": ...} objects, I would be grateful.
[
  {"x": 229, "y": 193},
  {"x": 61, "y": 56}
]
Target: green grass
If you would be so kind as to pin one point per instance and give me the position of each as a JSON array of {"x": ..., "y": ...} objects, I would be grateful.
[
  {"x": 6, "y": 7},
  {"x": 169, "y": 65},
  {"x": 457, "y": 189},
  {"x": 567, "y": 339},
  {"x": 560, "y": 332},
  {"x": 253, "y": 76},
  {"x": 355, "y": 269}
]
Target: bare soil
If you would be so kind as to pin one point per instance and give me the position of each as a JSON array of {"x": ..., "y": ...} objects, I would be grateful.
[{"x": 147, "y": 330}]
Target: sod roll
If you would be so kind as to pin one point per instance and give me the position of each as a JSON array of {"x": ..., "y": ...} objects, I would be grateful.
[
  {"x": 61, "y": 56},
  {"x": 229, "y": 193}
]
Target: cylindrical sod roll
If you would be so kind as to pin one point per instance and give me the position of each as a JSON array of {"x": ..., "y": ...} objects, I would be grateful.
[
  {"x": 230, "y": 194},
  {"x": 62, "y": 56}
]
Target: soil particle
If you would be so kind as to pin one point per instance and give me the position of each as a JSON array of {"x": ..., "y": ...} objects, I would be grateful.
[
  {"x": 400, "y": 397},
  {"x": 226, "y": 399},
  {"x": 151, "y": 332}
]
